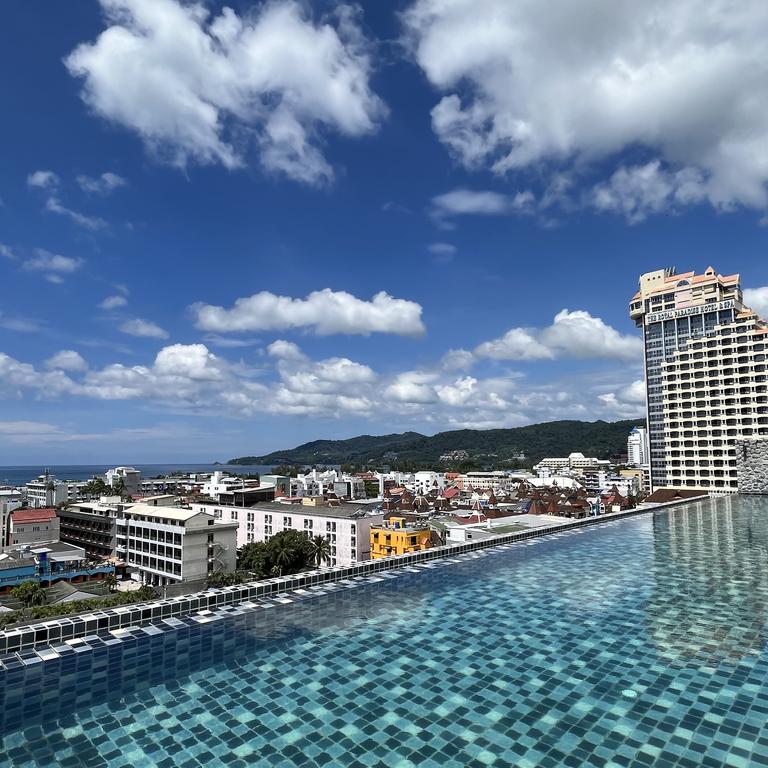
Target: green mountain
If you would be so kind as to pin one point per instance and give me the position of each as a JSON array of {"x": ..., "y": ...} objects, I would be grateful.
[{"x": 489, "y": 447}]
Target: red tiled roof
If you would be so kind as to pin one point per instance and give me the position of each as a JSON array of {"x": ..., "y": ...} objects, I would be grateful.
[
  {"x": 33, "y": 515},
  {"x": 449, "y": 493}
]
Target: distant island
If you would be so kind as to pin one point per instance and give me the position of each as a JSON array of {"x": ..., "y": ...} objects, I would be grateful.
[{"x": 491, "y": 447}]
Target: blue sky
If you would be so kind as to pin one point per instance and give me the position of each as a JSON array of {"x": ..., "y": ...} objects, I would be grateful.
[{"x": 231, "y": 231}]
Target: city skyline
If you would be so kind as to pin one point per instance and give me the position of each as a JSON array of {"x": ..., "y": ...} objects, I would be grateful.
[{"x": 387, "y": 242}]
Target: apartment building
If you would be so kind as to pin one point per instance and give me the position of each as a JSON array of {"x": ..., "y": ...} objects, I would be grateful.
[
  {"x": 130, "y": 477},
  {"x": 346, "y": 527},
  {"x": 637, "y": 447},
  {"x": 46, "y": 491},
  {"x": 705, "y": 372},
  {"x": 34, "y": 526},
  {"x": 91, "y": 525},
  {"x": 169, "y": 545}
]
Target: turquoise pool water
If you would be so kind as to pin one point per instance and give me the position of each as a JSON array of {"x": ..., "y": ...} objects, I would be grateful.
[{"x": 640, "y": 642}]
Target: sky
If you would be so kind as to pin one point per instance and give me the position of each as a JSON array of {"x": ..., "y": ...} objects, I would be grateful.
[{"x": 227, "y": 229}]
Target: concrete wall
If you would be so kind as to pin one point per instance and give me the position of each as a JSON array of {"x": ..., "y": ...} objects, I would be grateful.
[{"x": 752, "y": 464}]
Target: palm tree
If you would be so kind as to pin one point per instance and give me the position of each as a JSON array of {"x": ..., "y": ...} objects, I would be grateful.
[
  {"x": 283, "y": 553},
  {"x": 29, "y": 594},
  {"x": 321, "y": 550}
]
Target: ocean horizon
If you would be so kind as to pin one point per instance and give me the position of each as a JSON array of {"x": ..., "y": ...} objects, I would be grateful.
[{"x": 22, "y": 474}]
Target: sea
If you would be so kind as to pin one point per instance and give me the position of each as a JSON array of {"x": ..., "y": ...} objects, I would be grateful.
[{"x": 21, "y": 475}]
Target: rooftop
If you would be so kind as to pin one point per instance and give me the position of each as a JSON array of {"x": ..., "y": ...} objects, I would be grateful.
[{"x": 43, "y": 515}]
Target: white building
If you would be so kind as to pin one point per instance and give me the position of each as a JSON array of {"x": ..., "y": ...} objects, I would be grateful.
[
  {"x": 637, "y": 447},
  {"x": 347, "y": 528},
  {"x": 131, "y": 479},
  {"x": 169, "y": 545},
  {"x": 425, "y": 482},
  {"x": 706, "y": 376},
  {"x": 46, "y": 491},
  {"x": 487, "y": 481}
]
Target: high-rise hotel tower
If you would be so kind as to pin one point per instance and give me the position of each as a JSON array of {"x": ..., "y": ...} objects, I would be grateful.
[{"x": 705, "y": 373}]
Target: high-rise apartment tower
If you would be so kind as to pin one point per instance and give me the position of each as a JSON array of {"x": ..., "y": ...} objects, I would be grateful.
[{"x": 705, "y": 373}]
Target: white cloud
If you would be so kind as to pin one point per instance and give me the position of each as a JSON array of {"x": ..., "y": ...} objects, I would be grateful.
[
  {"x": 457, "y": 360},
  {"x": 144, "y": 328},
  {"x": 462, "y": 202},
  {"x": 757, "y": 299},
  {"x": 412, "y": 387},
  {"x": 66, "y": 360},
  {"x": 641, "y": 190},
  {"x": 113, "y": 302},
  {"x": 19, "y": 324},
  {"x": 101, "y": 185},
  {"x": 52, "y": 266},
  {"x": 43, "y": 180},
  {"x": 627, "y": 402},
  {"x": 584, "y": 81},
  {"x": 285, "y": 350},
  {"x": 442, "y": 249},
  {"x": 326, "y": 312},
  {"x": 572, "y": 334},
  {"x": 17, "y": 428},
  {"x": 201, "y": 88},
  {"x": 94, "y": 223},
  {"x": 7, "y": 252}
]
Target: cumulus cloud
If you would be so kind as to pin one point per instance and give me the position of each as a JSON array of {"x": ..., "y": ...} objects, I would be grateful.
[
  {"x": 143, "y": 328},
  {"x": 66, "y": 360},
  {"x": 113, "y": 302},
  {"x": 101, "y": 185},
  {"x": 43, "y": 180},
  {"x": 197, "y": 87},
  {"x": 757, "y": 299},
  {"x": 326, "y": 312},
  {"x": 52, "y": 266},
  {"x": 524, "y": 89},
  {"x": 641, "y": 190},
  {"x": 572, "y": 334},
  {"x": 191, "y": 378}
]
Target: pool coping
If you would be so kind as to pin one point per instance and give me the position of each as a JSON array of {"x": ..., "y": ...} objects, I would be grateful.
[{"x": 105, "y": 624}]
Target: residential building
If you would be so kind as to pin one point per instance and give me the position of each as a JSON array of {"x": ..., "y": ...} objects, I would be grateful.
[
  {"x": 46, "y": 491},
  {"x": 154, "y": 485},
  {"x": 637, "y": 447},
  {"x": 425, "y": 483},
  {"x": 705, "y": 373},
  {"x": 346, "y": 527},
  {"x": 169, "y": 545},
  {"x": 397, "y": 536},
  {"x": 130, "y": 477},
  {"x": 34, "y": 526},
  {"x": 91, "y": 525},
  {"x": 281, "y": 483},
  {"x": 574, "y": 464}
]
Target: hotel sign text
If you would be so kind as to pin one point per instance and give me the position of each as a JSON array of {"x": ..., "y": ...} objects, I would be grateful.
[{"x": 672, "y": 314}]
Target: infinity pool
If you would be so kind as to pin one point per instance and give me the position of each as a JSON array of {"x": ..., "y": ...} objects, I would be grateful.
[{"x": 638, "y": 642}]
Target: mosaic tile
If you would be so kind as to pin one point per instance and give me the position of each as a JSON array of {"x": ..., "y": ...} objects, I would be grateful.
[{"x": 638, "y": 642}]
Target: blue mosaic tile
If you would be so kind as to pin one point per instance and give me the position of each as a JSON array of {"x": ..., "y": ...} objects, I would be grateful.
[{"x": 638, "y": 642}]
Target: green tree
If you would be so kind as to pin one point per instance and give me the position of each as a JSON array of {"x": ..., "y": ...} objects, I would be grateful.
[
  {"x": 321, "y": 550},
  {"x": 110, "y": 581},
  {"x": 96, "y": 487},
  {"x": 146, "y": 593},
  {"x": 29, "y": 594}
]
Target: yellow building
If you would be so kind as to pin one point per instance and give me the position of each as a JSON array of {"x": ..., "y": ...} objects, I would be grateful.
[{"x": 397, "y": 537}]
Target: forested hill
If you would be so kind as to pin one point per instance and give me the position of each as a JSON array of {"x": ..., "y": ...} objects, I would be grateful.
[{"x": 486, "y": 447}]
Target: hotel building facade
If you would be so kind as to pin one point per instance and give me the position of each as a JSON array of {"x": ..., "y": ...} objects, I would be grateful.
[{"x": 705, "y": 373}]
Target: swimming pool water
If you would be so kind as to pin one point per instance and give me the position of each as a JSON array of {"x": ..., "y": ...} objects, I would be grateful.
[{"x": 639, "y": 642}]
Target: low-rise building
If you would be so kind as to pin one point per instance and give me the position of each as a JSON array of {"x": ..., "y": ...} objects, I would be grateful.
[
  {"x": 397, "y": 536},
  {"x": 46, "y": 491},
  {"x": 170, "y": 545},
  {"x": 91, "y": 525},
  {"x": 346, "y": 526},
  {"x": 34, "y": 526},
  {"x": 130, "y": 477}
]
